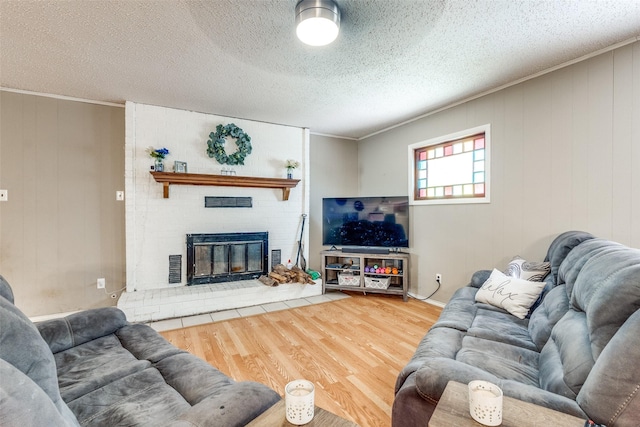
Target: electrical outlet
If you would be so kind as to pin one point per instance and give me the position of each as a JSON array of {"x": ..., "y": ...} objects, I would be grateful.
[
  {"x": 101, "y": 283},
  {"x": 119, "y": 195},
  {"x": 438, "y": 277},
  {"x": 4, "y": 195}
]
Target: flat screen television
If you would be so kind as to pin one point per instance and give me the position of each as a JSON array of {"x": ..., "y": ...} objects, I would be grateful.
[{"x": 366, "y": 222}]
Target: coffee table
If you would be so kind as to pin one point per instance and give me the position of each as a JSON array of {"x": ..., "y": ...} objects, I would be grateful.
[
  {"x": 453, "y": 410},
  {"x": 275, "y": 417}
]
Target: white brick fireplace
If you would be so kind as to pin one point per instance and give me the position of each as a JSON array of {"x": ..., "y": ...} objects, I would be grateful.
[{"x": 156, "y": 227}]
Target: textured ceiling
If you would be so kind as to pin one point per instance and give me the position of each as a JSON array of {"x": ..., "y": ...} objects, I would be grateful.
[{"x": 393, "y": 60}]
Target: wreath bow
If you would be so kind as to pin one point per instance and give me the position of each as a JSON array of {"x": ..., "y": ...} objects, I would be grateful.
[{"x": 217, "y": 139}]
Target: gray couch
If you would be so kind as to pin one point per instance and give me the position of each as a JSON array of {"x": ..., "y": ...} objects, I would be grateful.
[
  {"x": 578, "y": 352},
  {"x": 95, "y": 369}
]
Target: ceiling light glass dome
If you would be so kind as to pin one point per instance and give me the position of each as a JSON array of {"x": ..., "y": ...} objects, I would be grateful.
[{"x": 317, "y": 22}]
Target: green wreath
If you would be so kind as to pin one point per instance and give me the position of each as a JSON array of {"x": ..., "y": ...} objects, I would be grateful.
[{"x": 215, "y": 145}]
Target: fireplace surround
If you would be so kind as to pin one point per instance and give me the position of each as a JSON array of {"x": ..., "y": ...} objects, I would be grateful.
[
  {"x": 226, "y": 257},
  {"x": 156, "y": 227}
]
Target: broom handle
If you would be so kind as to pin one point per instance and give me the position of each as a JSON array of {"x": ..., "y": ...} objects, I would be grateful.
[{"x": 304, "y": 216}]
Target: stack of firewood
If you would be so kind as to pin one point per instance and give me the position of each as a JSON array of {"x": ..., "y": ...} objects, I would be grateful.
[{"x": 281, "y": 274}]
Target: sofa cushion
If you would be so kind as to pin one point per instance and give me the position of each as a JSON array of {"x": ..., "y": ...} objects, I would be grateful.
[
  {"x": 146, "y": 344},
  {"x": 239, "y": 404},
  {"x": 479, "y": 277},
  {"x": 546, "y": 312},
  {"x": 504, "y": 361},
  {"x": 141, "y": 398},
  {"x": 79, "y": 328},
  {"x": 607, "y": 289},
  {"x": 459, "y": 311},
  {"x": 136, "y": 377},
  {"x": 565, "y": 360},
  {"x": 559, "y": 249},
  {"x": 91, "y": 366},
  {"x": 501, "y": 360},
  {"x": 483, "y": 320},
  {"x": 549, "y": 312},
  {"x": 193, "y": 378},
  {"x": 501, "y": 326},
  {"x": 509, "y": 293}
]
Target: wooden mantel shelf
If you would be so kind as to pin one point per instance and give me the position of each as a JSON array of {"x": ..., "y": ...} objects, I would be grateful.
[{"x": 172, "y": 178}]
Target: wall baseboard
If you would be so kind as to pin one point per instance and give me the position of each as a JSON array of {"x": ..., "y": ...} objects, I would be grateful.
[
  {"x": 45, "y": 317},
  {"x": 427, "y": 300}
]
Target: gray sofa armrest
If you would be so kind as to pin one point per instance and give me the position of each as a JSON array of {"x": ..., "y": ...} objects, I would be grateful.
[
  {"x": 24, "y": 403},
  {"x": 5, "y": 290},
  {"x": 79, "y": 328},
  {"x": 479, "y": 277}
]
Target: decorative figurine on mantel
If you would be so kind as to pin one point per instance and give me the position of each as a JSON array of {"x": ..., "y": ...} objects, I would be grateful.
[
  {"x": 158, "y": 155},
  {"x": 291, "y": 165}
]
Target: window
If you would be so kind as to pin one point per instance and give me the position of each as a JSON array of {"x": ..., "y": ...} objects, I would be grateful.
[{"x": 451, "y": 169}]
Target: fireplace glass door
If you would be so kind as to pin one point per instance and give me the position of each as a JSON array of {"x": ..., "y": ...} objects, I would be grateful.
[{"x": 213, "y": 258}]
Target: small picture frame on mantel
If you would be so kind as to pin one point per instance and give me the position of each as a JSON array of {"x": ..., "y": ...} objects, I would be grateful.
[{"x": 180, "y": 167}]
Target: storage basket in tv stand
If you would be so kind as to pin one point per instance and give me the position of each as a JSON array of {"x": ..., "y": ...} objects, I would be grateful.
[{"x": 346, "y": 271}]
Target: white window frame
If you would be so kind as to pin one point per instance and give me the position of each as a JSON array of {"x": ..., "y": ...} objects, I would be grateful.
[{"x": 439, "y": 140}]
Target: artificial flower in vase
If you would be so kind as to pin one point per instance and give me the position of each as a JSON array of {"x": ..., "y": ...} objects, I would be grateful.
[
  {"x": 158, "y": 156},
  {"x": 291, "y": 165}
]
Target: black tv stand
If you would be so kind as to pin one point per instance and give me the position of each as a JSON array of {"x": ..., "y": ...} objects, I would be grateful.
[{"x": 365, "y": 250}]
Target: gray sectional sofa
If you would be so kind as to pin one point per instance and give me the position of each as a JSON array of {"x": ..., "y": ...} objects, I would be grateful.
[
  {"x": 95, "y": 369},
  {"x": 578, "y": 352}
]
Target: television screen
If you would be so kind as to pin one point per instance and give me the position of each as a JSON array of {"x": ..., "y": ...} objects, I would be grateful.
[{"x": 366, "y": 221}]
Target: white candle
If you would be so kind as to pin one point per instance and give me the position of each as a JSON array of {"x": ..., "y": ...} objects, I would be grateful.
[
  {"x": 299, "y": 392},
  {"x": 484, "y": 394}
]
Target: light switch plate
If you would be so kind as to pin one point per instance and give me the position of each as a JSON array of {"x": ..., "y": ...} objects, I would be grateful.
[
  {"x": 4, "y": 195},
  {"x": 119, "y": 195}
]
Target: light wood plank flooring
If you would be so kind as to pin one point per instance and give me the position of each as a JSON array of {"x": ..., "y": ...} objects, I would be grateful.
[{"x": 352, "y": 349}]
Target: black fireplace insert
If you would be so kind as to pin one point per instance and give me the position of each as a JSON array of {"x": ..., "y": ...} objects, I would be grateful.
[{"x": 226, "y": 257}]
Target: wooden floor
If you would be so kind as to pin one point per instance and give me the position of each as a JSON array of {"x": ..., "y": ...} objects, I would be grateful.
[{"x": 352, "y": 349}]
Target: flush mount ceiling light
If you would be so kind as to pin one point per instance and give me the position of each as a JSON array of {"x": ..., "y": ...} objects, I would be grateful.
[{"x": 317, "y": 21}]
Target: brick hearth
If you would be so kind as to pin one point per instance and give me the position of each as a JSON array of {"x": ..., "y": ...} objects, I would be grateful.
[{"x": 167, "y": 303}]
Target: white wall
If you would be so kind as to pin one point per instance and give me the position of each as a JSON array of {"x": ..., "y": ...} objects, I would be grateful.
[
  {"x": 565, "y": 155},
  {"x": 156, "y": 227}
]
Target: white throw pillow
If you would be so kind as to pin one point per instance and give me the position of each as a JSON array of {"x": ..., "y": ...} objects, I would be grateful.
[
  {"x": 528, "y": 270},
  {"x": 509, "y": 293}
]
